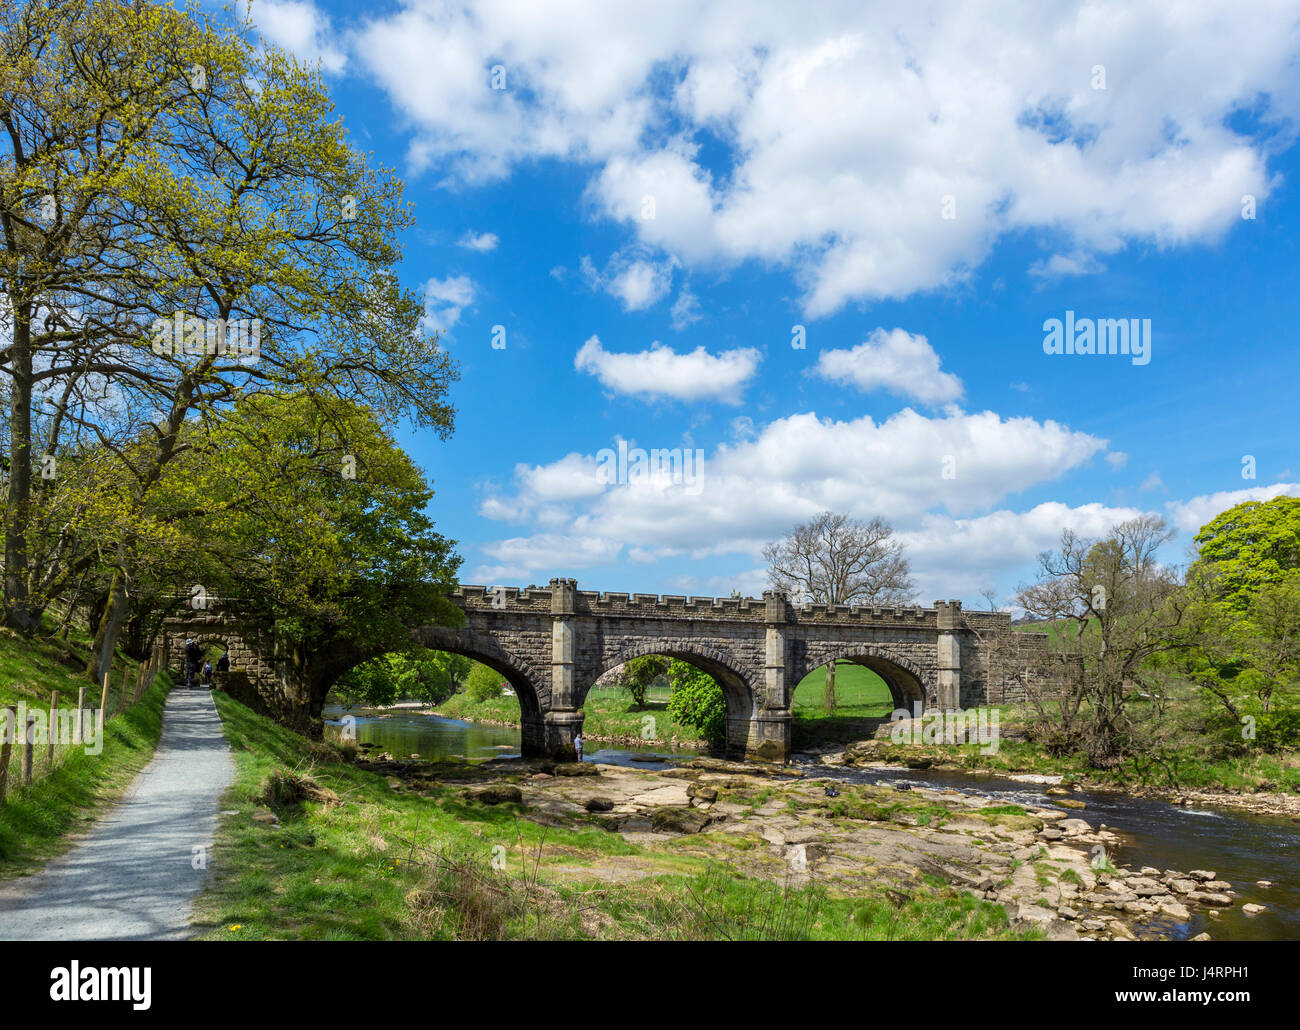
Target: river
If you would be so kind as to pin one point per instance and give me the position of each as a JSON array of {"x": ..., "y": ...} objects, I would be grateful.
[{"x": 1240, "y": 847}]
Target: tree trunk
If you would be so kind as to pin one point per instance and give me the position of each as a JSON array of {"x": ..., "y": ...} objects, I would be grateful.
[
  {"x": 17, "y": 612},
  {"x": 116, "y": 609},
  {"x": 828, "y": 698}
]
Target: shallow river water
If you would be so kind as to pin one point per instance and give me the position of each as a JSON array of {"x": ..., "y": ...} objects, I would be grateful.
[{"x": 1239, "y": 847}]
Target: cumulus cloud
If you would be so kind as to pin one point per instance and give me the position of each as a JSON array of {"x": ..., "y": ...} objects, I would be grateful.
[
  {"x": 755, "y": 489},
  {"x": 479, "y": 241},
  {"x": 444, "y": 300},
  {"x": 1190, "y": 516},
  {"x": 300, "y": 27},
  {"x": 636, "y": 280},
  {"x": 859, "y": 198},
  {"x": 898, "y": 361},
  {"x": 662, "y": 372}
]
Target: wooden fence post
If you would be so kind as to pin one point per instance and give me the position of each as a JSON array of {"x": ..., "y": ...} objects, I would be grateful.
[
  {"x": 52, "y": 736},
  {"x": 6, "y": 746},
  {"x": 29, "y": 745},
  {"x": 79, "y": 723},
  {"x": 103, "y": 707}
]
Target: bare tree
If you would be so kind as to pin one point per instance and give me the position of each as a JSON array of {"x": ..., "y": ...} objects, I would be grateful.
[
  {"x": 1113, "y": 607},
  {"x": 836, "y": 559}
]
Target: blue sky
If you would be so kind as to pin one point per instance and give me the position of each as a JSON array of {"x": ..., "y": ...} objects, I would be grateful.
[{"x": 919, "y": 188}]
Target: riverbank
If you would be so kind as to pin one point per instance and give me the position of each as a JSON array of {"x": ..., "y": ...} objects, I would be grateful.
[
  {"x": 318, "y": 846},
  {"x": 325, "y": 842},
  {"x": 1015, "y": 759},
  {"x": 607, "y": 720}
]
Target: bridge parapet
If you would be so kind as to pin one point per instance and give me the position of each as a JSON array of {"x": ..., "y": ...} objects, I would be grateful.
[{"x": 614, "y": 604}]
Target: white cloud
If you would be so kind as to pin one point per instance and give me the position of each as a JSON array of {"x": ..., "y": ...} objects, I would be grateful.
[
  {"x": 479, "y": 241},
  {"x": 843, "y": 125},
  {"x": 686, "y": 310},
  {"x": 1153, "y": 482},
  {"x": 1062, "y": 266},
  {"x": 300, "y": 27},
  {"x": 1116, "y": 459},
  {"x": 662, "y": 372},
  {"x": 1190, "y": 516},
  {"x": 444, "y": 300},
  {"x": 897, "y": 361},
  {"x": 756, "y": 488},
  {"x": 637, "y": 281}
]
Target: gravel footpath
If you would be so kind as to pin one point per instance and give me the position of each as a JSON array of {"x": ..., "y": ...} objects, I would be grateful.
[{"x": 133, "y": 876}]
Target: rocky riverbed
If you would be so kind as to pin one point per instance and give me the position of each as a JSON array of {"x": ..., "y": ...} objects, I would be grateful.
[{"x": 1049, "y": 867}]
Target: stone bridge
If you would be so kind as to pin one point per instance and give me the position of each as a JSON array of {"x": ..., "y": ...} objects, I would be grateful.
[{"x": 552, "y": 643}]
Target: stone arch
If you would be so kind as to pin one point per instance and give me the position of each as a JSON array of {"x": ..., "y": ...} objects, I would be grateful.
[
  {"x": 736, "y": 687},
  {"x": 907, "y": 682},
  {"x": 532, "y": 688}
]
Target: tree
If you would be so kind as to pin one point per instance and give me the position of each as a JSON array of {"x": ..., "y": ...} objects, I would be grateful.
[
  {"x": 641, "y": 673},
  {"x": 483, "y": 683},
  {"x": 1245, "y": 547},
  {"x": 1243, "y": 637},
  {"x": 1114, "y": 607},
  {"x": 330, "y": 569},
  {"x": 835, "y": 559},
  {"x": 228, "y": 194},
  {"x": 697, "y": 700}
]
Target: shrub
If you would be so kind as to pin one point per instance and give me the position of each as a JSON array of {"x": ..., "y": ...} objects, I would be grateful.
[
  {"x": 698, "y": 701},
  {"x": 483, "y": 683}
]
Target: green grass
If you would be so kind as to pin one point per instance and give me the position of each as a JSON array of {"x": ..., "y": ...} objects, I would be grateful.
[
  {"x": 385, "y": 863},
  {"x": 859, "y": 694},
  {"x": 36, "y": 821}
]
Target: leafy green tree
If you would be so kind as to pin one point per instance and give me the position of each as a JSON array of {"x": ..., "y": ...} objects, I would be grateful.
[
  {"x": 1246, "y": 547},
  {"x": 697, "y": 701},
  {"x": 483, "y": 683},
  {"x": 329, "y": 569},
  {"x": 1242, "y": 646},
  {"x": 640, "y": 674}
]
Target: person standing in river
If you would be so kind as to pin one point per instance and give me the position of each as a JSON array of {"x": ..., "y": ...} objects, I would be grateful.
[{"x": 577, "y": 744}]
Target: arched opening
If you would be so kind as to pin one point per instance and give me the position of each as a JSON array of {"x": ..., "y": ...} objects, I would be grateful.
[
  {"x": 679, "y": 705},
  {"x": 869, "y": 687},
  {"x": 452, "y": 704},
  {"x": 212, "y": 647}
]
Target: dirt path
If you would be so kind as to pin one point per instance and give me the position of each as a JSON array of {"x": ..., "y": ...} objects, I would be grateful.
[{"x": 134, "y": 877}]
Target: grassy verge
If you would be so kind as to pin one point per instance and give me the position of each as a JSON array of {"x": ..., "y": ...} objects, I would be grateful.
[
  {"x": 36, "y": 821},
  {"x": 356, "y": 855}
]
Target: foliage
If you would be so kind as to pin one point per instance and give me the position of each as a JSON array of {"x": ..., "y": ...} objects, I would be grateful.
[
  {"x": 1243, "y": 647},
  {"x": 835, "y": 559},
  {"x": 419, "y": 674},
  {"x": 641, "y": 673},
  {"x": 1123, "y": 608},
  {"x": 483, "y": 683},
  {"x": 1245, "y": 548},
  {"x": 697, "y": 700}
]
